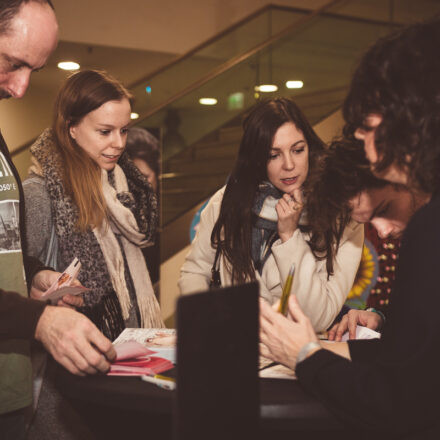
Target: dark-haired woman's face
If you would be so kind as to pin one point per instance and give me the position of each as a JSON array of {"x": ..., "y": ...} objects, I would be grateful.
[
  {"x": 368, "y": 136},
  {"x": 288, "y": 163},
  {"x": 102, "y": 133}
]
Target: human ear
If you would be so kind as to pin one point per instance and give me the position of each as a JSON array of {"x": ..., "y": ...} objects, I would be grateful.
[{"x": 72, "y": 131}]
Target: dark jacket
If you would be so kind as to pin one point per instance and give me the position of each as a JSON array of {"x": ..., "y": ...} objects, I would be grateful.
[{"x": 392, "y": 385}]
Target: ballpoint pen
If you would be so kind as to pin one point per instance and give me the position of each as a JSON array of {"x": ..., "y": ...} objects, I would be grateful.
[{"x": 286, "y": 291}]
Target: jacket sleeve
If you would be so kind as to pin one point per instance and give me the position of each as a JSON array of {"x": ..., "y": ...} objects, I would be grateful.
[
  {"x": 38, "y": 218},
  {"x": 394, "y": 384},
  {"x": 195, "y": 273},
  {"x": 320, "y": 297},
  {"x": 14, "y": 309}
]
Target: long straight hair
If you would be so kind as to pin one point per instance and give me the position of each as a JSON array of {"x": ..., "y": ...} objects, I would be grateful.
[
  {"x": 232, "y": 232},
  {"x": 82, "y": 93}
]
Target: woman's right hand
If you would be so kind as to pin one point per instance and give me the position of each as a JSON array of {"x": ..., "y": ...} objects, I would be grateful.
[{"x": 289, "y": 209}]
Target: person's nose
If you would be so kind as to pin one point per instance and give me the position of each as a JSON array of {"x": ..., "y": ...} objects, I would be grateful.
[
  {"x": 19, "y": 83},
  {"x": 119, "y": 141},
  {"x": 384, "y": 228},
  {"x": 288, "y": 162}
]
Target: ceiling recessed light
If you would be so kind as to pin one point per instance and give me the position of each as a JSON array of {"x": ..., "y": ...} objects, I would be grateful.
[
  {"x": 134, "y": 115},
  {"x": 208, "y": 101},
  {"x": 266, "y": 88},
  {"x": 294, "y": 84},
  {"x": 68, "y": 65}
]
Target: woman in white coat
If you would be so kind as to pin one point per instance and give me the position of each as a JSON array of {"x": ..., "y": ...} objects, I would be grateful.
[{"x": 257, "y": 226}]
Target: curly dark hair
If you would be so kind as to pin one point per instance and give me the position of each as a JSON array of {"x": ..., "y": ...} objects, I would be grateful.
[
  {"x": 342, "y": 172},
  {"x": 398, "y": 78},
  {"x": 233, "y": 230}
]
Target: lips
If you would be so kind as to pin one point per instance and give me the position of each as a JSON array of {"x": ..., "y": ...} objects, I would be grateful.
[
  {"x": 289, "y": 180},
  {"x": 111, "y": 156}
]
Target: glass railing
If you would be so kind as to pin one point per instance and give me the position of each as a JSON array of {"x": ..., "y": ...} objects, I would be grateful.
[
  {"x": 162, "y": 85},
  {"x": 200, "y": 141}
]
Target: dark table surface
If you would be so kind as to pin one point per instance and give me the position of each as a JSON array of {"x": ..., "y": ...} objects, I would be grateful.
[{"x": 283, "y": 403}]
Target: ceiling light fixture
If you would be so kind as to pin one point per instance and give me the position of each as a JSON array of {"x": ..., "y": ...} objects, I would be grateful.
[
  {"x": 266, "y": 88},
  {"x": 208, "y": 101},
  {"x": 134, "y": 115},
  {"x": 68, "y": 65},
  {"x": 294, "y": 84}
]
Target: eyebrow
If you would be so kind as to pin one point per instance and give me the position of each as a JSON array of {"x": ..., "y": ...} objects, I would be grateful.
[
  {"x": 293, "y": 145},
  {"x": 111, "y": 126},
  {"x": 21, "y": 63}
]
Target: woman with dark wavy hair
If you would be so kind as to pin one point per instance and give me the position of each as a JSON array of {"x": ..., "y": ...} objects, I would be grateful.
[
  {"x": 255, "y": 228},
  {"x": 388, "y": 386}
]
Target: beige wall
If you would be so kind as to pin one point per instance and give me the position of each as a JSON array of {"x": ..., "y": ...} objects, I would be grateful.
[
  {"x": 330, "y": 127},
  {"x": 173, "y": 26},
  {"x": 24, "y": 119}
]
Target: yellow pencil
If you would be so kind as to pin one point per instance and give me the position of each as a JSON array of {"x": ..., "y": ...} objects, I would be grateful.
[{"x": 286, "y": 291}]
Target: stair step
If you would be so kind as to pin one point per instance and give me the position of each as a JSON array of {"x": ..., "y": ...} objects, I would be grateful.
[
  {"x": 190, "y": 182},
  {"x": 201, "y": 166},
  {"x": 230, "y": 133}
]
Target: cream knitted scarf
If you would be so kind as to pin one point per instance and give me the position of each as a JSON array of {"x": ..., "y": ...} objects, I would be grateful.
[{"x": 122, "y": 222}]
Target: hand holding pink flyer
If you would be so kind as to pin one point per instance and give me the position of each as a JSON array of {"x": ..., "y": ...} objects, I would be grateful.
[{"x": 63, "y": 286}]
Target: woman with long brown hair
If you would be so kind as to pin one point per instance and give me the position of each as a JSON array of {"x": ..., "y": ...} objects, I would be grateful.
[
  {"x": 266, "y": 219},
  {"x": 86, "y": 199}
]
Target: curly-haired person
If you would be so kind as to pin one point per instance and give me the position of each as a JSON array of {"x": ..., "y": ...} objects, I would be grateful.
[{"x": 388, "y": 385}]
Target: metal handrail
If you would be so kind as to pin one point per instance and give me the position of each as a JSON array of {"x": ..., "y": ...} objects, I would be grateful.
[
  {"x": 238, "y": 24},
  {"x": 294, "y": 27},
  {"x": 200, "y": 46}
]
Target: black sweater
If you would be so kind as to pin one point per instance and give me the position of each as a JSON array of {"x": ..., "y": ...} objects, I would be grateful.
[{"x": 392, "y": 385}]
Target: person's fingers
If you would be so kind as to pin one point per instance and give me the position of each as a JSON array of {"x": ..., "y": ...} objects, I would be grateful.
[
  {"x": 342, "y": 328},
  {"x": 283, "y": 205},
  {"x": 297, "y": 195},
  {"x": 280, "y": 210},
  {"x": 69, "y": 365},
  {"x": 103, "y": 344},
  {"x": 265, "y": 338},
  {"x": 295, "y": 310},
  {"x": 266, "y": 311},
  {"x": 61, "y": 303},
  {"x": 78, "y": 351},
  {"x": 264, "y": 351},
  {"x": 265, "y": 326},
  {"x": 89, "y": 359},
  {"x": 332, "y": 332},
  {"x": 76, "y": 282},
  {"x": 73, "y": 300},
  {"x": 352, "y": 324}
]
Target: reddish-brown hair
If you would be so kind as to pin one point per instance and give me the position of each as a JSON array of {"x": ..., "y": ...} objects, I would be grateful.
[{"x": 82, "y": 93}]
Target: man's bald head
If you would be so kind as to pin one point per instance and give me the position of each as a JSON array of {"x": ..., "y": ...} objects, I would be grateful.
[
  {"x": 10, "y": 8},
  {"x": 28, "y": 35}
]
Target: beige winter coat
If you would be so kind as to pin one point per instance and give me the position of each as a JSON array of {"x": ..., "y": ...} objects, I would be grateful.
[{"x": 320, "y": 299}]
